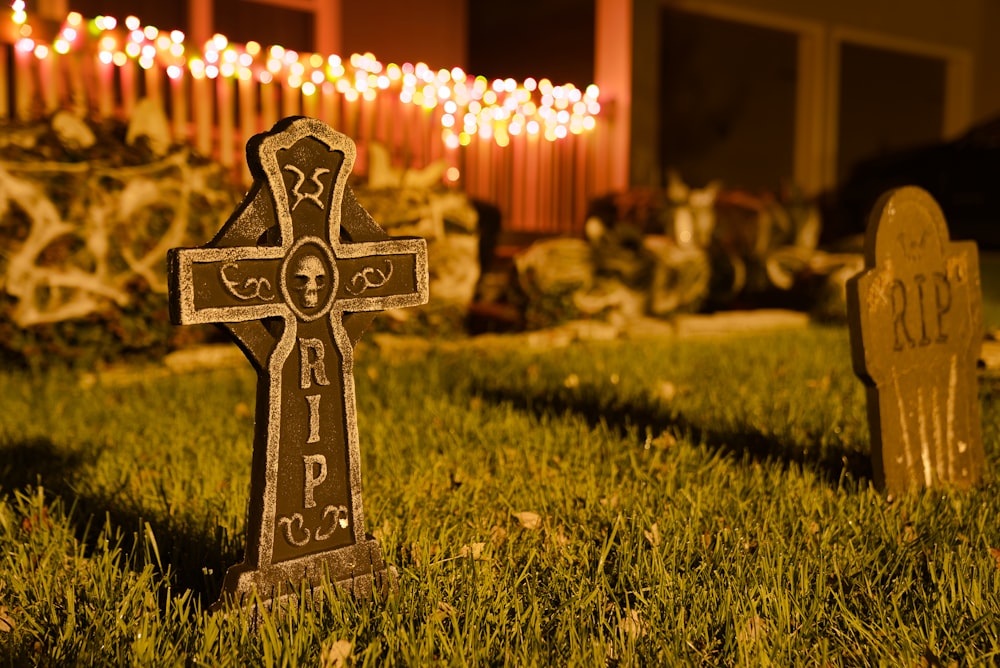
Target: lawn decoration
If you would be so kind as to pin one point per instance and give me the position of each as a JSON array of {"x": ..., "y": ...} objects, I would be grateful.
[
  {"x": 916, "y": 331},
  {"x": 295, "y": 275}
]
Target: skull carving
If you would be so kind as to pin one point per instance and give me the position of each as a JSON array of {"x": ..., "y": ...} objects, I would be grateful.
[{"x": 310, "y": 277}]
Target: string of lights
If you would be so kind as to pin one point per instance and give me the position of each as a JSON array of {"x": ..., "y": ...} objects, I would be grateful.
[{"x": 470, "y": 106}]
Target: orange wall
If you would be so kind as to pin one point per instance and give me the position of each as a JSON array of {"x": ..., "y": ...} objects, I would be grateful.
[{"x": 398, "y": 31}]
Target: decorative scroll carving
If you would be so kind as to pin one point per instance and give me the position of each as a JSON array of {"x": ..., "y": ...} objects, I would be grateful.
[
  {"x": 251, "y": 288},
  {"x": 369, "y": 278}
]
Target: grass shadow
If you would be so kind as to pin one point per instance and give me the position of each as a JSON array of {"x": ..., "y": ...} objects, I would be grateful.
[
  {"x": 832, "y": 464},
  {"x": 196, "y": 554}
]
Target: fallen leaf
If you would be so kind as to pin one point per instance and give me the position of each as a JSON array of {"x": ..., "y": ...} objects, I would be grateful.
[
  {"x": 632, "y": 625},
  {"x": 475, "y": 550},
  {"x": 819, "y": 384},
  {"x": 37, "y": 521},
  {"x": 498, "y": 535},
  {"x": 653, "y": 534},
  {"x": 529, "y": 520},
  {"x": 572, "y": 381},
  {"x": 6, "y": 621},
  {"x": 996, "y": 555},
  {"x": 443, "y": 612},
  {"x": 242, "y": 410},
  {"x": 753, "y": 631},
  {"x": 666, "y": 390},
  {"x": 337, "y": 654}
]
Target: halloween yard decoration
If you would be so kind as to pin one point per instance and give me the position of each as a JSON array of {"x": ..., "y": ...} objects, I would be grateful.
[
  {"x": 295, "y": 275},
  {"x": 916, "y": 330}
]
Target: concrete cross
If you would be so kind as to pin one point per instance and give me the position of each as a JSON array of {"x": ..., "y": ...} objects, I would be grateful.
[{"x": 295, "y": 275}]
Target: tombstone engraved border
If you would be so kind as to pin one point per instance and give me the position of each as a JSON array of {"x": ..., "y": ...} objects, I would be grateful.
[
  {"x": 295, "y": 275},
  {"x": 916, "y": 328}
]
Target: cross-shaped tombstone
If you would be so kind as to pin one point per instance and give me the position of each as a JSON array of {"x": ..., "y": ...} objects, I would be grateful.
[
  {"x": 295, "y": 275},
  {"x": 916, "y": 331}
]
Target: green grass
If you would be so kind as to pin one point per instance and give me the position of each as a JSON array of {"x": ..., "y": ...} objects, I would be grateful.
[{"x": 701, "y": 502}]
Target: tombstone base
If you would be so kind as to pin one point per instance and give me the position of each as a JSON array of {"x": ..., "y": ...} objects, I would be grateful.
[{"x": 357, "y": 569}]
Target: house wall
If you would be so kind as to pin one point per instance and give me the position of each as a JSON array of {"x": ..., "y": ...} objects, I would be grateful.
[
  {"x": 988, "y": 65},
  {"x": 956, "y": 30},
  {"x": 398, "y": 31}
]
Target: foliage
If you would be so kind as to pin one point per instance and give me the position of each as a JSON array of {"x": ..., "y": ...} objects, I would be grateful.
[{"x": 650, "y": 502}]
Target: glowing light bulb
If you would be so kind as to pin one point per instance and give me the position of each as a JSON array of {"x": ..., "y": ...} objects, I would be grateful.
[
  {"x": 132, "y": 22},
  {"x": 73, "y": 18},
  {"x": 150, "y": 32},
  {"x": 61, "y": 46},
  {"x": 252, "y": 48},
  {"x": 176, "y": 36}
]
